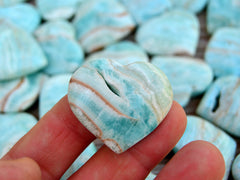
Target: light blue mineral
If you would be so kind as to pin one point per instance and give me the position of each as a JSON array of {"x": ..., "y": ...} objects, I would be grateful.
[
  {"x": 57, "y": 9},
  {"x": 236, "y": 168},
  {"x": 52, "y": 91},
  {"x": 5, "y": 3},
  {"x": 222, "y": 52},
  {"x": 200, "y": 129},
  {"x": 120, "y": 104},
  {"x": 19, "y": 94},
  {"x": 221, "y": 104},
  {"x": 174, "y": 32},
  {"x": 57, "y": 39},
  {"x": 125, "y": 52},
  {"x": 223, "y": 13},
  {"x": 22, "y": 15},
  {"x": 151, "y": 176},
  {"x": 80, "y": 161},
  {"x": 194, "y": 6},
  {"x": 188, "y": 76},
  {"x": 101, "y": 22},
  {"x": 13, "y": 127},
  {"x": 143, "y": 10},
  {"x": 20, "y": 54}
]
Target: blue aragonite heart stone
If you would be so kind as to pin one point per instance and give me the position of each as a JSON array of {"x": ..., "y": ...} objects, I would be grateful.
[
  {"x": 194, "y": 6},
  {"x": 57, "y": 39},
  {"x": 200, "y": 129},
  {"x": 222, "y": 52},
  {"x": 143, "y": 10},
  {"x": 80, "y": 161},
  {"x": 120, "y": 104},
  {"x": 14, "y": 61},
  {"x": 13, "y": 127},
  {"x": 221, "y": 104},
  {"x": 5, "y": 3},
  {"x": 101, "y": 22},
  {"x": 19, "y": 94},
  {"x": 188, "y": 76},
  {"x": 125, "y": 52},
  {"x": 22, "y": 15},
  {"x": 58, "y": 9},
  {"x": 223, "y": 13},
  {"x": 174, "y": 32},
  {"x": 52, "y": 91},
  {"x": 236, "y": 168}
]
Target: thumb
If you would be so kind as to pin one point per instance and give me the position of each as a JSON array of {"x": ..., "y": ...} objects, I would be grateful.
[{"x": 19, "y": 169}]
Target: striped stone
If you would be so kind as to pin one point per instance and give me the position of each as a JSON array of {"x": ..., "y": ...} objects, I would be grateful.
[
  {"x": 200, "y": 129},
  {"x": 19, "y": 94},
  {"x": 189, "y": 77},
  {"x": 223, "y": 52},
  {"x": 172, "y": 33},
  {"x": 58, "y": 42},
  {"x": 221, "y": 104},
  {"x": 13, "y": 127},
  {"x": 222, "y": 13},
  {"x": 101, "y": 22},
  {"x": 119, "y": 104},
  {"x": 52, "y": 91},
  {"x": 22, "y": 15},
  {"x": 20, "y": 54}
]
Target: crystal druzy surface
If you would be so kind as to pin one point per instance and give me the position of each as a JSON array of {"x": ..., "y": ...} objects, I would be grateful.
[{"x": 120, "y": 104}]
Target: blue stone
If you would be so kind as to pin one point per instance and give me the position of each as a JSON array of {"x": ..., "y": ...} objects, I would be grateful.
[
  {"x": 222, "y": 52},
  {"x": 174, "y": 32},
  {"x": 57, "y": 39},
  {"x": 13, "y": 127},
  {"x": 58, "y": 9},
  {"x": 80, "y": 161},
  {"x": 125, "y": 52},
  {"x": 6, "y": 3},
  {"x": 200, "y": 129},
  {"x": 19, "y": 94},
  {"x": 236, "y": 168},
  {"x": 221, "y": 104},
  {"x": 194, "y": 6},
  {"x": 22, "y": 15},
  {"x": 151, "y": 176},
  {"x": 20, "y": 54},
  {"x": 52, "y": 91},
  {"x": 101, "y": 22},
  {"x": 188, "y": 76},
  {"x": 223, "y": 13},
  {"x": 120, "y": 104},
  {"x": 143, "y": 10}
]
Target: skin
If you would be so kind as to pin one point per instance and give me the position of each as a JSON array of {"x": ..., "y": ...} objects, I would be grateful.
[{"x": 58, "y": 138}]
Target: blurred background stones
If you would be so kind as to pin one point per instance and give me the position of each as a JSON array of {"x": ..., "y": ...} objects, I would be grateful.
[{"x": 42, "y": 43}]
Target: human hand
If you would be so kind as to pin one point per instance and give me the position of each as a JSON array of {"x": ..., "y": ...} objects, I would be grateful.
[{"x": 58, "y": 138}]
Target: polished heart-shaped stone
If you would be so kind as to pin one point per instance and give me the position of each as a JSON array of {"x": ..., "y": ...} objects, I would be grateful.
[{"x": 120, "y": 104}]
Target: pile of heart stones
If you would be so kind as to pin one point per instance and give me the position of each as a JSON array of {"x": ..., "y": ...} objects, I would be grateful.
[{"x": 43, "y": 42}]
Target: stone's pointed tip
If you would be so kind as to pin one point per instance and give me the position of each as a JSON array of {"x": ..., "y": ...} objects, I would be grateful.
[{"x": 145, "y": 100}]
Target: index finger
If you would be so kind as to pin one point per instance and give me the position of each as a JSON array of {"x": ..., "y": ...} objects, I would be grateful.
[{"x": 54, "y": 142}]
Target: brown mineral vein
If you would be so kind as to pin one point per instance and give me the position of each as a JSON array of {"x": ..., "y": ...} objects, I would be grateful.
[
  {"x": 89, "y": 119},
  {"x": 114, "y": 142},
  {"x": 119, "y": 29},
  {"x": 5, "y": 99},
  {"x": 100, "y": 96}
]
